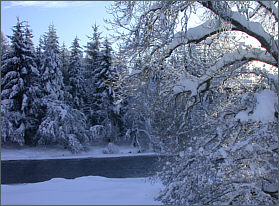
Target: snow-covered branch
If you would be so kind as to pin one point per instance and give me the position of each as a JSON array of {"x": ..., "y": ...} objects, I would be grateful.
[
  {"x": 193, "y": 84},
  {"x": 270, "y": 7},
  {"x": 193, "y": 35},
  {"x": 210, "y": 27},
  {"x": 253, "y": 29},
  {"x": 242, "y": 54},
  {"x": 196, "y": 34}
]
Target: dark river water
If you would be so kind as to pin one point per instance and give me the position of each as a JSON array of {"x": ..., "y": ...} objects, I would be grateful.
[{"x": 30, "y": 171}]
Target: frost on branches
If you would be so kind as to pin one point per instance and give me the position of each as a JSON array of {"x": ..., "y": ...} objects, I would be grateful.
[{"x": 218, "y": 95}]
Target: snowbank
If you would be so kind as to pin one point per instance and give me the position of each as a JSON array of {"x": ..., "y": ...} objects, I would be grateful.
[{"x": 90, "y": 190}]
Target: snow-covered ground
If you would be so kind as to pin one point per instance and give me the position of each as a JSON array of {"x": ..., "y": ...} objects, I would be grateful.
[
  {"x": 57, "y": 152},
  {"x": 90, "y": 190}
]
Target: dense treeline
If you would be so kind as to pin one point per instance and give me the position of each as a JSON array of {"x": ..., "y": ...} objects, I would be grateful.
[{"x": 51, "y": 95}]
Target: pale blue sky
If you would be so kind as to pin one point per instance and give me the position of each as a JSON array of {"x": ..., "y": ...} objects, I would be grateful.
[{"x": 70, "y": 18}]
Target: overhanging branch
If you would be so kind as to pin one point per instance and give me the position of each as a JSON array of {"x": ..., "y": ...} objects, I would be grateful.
[{"x": 253, "y": 29}]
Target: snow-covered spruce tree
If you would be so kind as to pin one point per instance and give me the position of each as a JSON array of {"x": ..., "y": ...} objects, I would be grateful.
[
  {"x": 92, "y": 61},
  {"x": 75, "y": 76},
  {"x": 100, "y": 78},
  {"x": 93, "y": 48},
  {"x": 105, "y": 77},
  {"x": 20, "y": 88},
  {"x": 222, "y": 151},
  {"x": 120, "y": 100},
  {"x": 52, "y": 78},
  {"x": 61, "y": 124}
]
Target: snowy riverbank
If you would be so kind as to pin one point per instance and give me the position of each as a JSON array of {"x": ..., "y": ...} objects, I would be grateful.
[{"x": 90, "y": 190}]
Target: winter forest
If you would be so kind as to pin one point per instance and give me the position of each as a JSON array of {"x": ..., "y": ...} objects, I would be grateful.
[{"x": 205, "y": 97}]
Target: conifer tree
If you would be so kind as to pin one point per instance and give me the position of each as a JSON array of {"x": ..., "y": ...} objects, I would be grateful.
[
  {"x": 20, "y": 88},
  {"x": 105, "y": 77},
  {"x": 93, "y": 49},
  {"x": 52, "y": 78},
  {"x": 92, "y": 61},
  {"x": 75, "y": 73}
]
